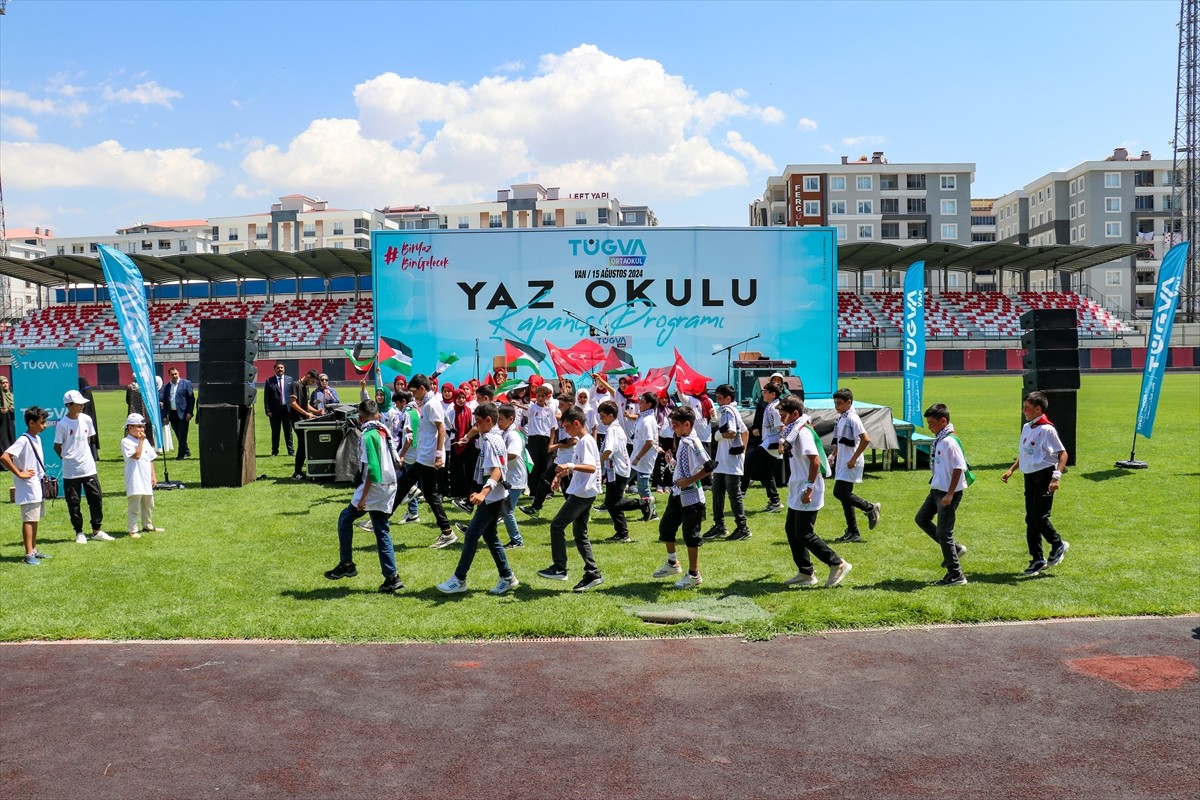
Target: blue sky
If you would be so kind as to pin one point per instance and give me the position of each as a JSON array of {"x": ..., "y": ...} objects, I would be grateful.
[{"x": 113, "y": 113}]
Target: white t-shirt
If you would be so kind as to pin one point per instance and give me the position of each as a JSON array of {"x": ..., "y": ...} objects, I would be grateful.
[
  {"x": 432, "y": 413},
  {"x": 516, "y": 475},
  {"x": 801, "y": 440},
  {"x": 382, "y": 496},
  {"x": 615, "y": 442},
  {"x": 542, "y": 420},
  {"x": 702, "y": 426},
  {"x": 72, "y": 436},
  {"x": 1040, "y": 447},
  {"x": 585, "y": 484},
  {"x": 850, "y": 427},
  {"x": 728, "y": 464},
  {"x": 563, "y": 454},
  {"x": 139, "y": 472},
  {"x": 772, "y": 427},
  {"x": 493, "y": 453},
  {"x": 626, "y": 406},
  {"x": 26, "y": 453},
  {"x": 646, "y": 431},
  {"x": 689, "y": 459},
  {"x": 590, "y": 418},
  {"x": 947, "y": 457}
]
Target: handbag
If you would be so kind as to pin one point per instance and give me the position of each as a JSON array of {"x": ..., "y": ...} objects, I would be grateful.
[{"x": 49, "y": 485}]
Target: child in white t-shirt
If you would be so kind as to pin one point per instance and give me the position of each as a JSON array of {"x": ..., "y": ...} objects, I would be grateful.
[
  {"x": 140, "y": 477},
  {"x": 24, "y": 460}
]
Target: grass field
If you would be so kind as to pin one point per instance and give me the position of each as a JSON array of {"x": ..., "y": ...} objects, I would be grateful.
[{"x": 248, "y": 563}]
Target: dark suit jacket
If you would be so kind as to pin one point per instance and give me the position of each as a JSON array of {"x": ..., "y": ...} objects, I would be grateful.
[
  {"x": 271, "y": 394},
  {"x": 185, "y": 398}
]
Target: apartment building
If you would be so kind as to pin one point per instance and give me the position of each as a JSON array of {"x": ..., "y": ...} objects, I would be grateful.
[
  {"x": 297, "y": 223},
  {"x": 17, "y": 296},
  {"x": 166, "y": 238},
  {"x": 872, "y": 200},
  {"x": 1121, "y": 199},
  {"x": 531, "y": 205}
]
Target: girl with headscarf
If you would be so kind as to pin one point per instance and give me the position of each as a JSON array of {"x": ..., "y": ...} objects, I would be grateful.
[
  {"x": 461, "y": 464},
  {"x": 8, "y": 410}
]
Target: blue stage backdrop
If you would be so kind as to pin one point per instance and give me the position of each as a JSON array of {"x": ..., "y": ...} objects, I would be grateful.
[
  {"x": 695, "y": 289},
  {"x": 40, "y": 377}
]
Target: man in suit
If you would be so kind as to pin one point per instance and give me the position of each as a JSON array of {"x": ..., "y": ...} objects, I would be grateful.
[
  {"x": 276, "y": 392},
  {"x": 178, "y": 403}
]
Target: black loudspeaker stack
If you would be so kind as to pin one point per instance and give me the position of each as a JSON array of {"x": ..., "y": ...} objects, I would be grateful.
[
  {"x": 228, "y": 389},
  {"x": 1051, "y": 344}
]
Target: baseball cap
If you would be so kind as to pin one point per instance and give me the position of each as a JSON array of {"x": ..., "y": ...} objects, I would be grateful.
[
  {"x": 74, "y": 396},
  {"x": 135, "y": 419},
  {"x": 776, "y": 374}
]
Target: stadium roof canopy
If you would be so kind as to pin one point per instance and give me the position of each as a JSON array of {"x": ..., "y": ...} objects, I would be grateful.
[{"x": 338, "y": 263}]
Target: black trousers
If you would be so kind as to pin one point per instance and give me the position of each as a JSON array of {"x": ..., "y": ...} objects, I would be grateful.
[
  {"x": 575, "y": 513},
  {"x": 427, "y": 479},
  {"x": 91, "y": 488},
  {"x": 539, "y": 454},
  {"x": 179, "y": 426},
  {"x": 802, "y": 538},
  {"x": 943, "y": 531},
  {"x": 301, "y": 452},
  {"x": 281, "y": 420},
  {"x": 614, "y": 496},
  {"x": 843, "y": 491},
  {"x": 539, "y": 488},
  {"x": 1039, "y": 502},
  {"x": 764, "y": 467}
]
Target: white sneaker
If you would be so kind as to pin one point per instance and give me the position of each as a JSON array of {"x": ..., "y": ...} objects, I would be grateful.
[
  {"x": 134, "y": 535},
  {"x": 505, "y": 585},
  {"x": 452, "y": 585},
  {"x": 80, "y": 538},
  {"x": 365, "y": 525},
  {"x": 800, "y": 579},
  {"x": 689, "y": 581},
  {"x": 153, "y": 529},
  {"x": 669, "y": 568},
  {"x": 407, "y": 518},
  {"x": 444, "y": 540},
  {"x": 101, "y": 536},
  {"x": 837, "y": 573}
]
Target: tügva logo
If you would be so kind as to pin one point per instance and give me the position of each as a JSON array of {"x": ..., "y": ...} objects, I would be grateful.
[{"x": 608, "y": 247}]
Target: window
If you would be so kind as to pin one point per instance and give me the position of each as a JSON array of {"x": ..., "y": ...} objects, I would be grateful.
[
  {"x": 863, "y": 183},
  {"x": 76, "y": 249},
  {"x": 1168, "y": 203},
  {"x": 1082, "y": 183},
  {"x": 866, "y": 232},
  {"x": 949, "y": 182},
  {"x": 62, "y": 250},
  {"x": 837, "y": 206},
  {"x": 464, "y": 222},
  {"x": 339, "y": 245},
  {"x": 216, "y": 232},
  {"x": 1112, "y": 301},
  {"x": 310, "y": 229},
  {"x": 1072, "y": 209},
  {"x": 1112, "y": 205},
  {"x": 915, "y": 181},
  {"x": 1112, "y": 180},
  {"x": 812, "y": 183},
  {"x": 310, "y": 245},
  {"x": 261, "y": 232},
  {"x": 147, "y": 244},
  {"x": 164, "y": 244},
  {"x": 1143, "y": 177},
  {"x": 1049, "y": 192},
  {"x": 889, "y": 230},
  {"x": 868, "y": 280},
  {"x": 1083, "y": 232},
  {"x": 1112, "y": 230},
  {"x": 837, "y": 183},
  {"x": 953, "y": 280},
  {"x": 983, "y": 237},
  {"x": 889, "y": 205},
  {"x": 865, "y": 207},
  {"x": 1041, "y": 196},
  {"x": 918, "y": 230},
  {"x": 812, "y": 208},
  {"x": 1082, "y": 207},
  {"x": 495, "y": 221},
  {"x": 547, "y": 219},
  {"x": 1169, "y": 178},
  {"x": 339, "y": 229},
  {"x": 916, "y": 205},
  {"x": 889, "y": 182},
  {"x": 841, "y": 232},
  {"x": 602, "y": 216},
  {"x": 581, "y": 218},
  {"x": 183, "y": 245},
  {"x": 1143, "y": 202},
  {"x": 1112, "y": 277},
  {"x": 950, "y": 230}
]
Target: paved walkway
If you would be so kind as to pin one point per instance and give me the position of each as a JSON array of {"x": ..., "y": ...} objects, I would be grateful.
[{"x": 1096, "y": 709}]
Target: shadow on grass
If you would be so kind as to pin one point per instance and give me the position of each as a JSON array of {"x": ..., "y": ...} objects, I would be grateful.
[
  {"x": 894, "y": 585},
  {"x": 1105, "y": 474},
  {"x": 331, "y": 592},
  {"x": 1001, "y": 578}
]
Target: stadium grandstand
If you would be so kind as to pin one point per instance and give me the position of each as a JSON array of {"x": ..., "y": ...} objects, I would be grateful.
[{"x": 311, "y": 304}]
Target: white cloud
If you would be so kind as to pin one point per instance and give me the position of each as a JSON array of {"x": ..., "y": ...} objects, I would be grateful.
[
  {"x": 236, "y": 104},
  {"x": 18, "y": 127},
  {"x": 511, "y": 66},
  {"x": 585, "y": 121},
  {"x": 761, "y": 161},
  {"x": 244, "y": 191},
  {"x": 828, "y": 149},
  {"x": 146, "y": 94},
  {"x": 806, "y": 124},
  {"x": 10, "y": 99},
  {"x": 855, "y": 141},
  {"x": 167, "y": 173},
  {"x": 242, "y": 143}
]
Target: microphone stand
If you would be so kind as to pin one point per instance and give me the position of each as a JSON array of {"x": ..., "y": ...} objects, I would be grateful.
[
  {"x": 593, "y": 331},
  {"x": 728, "y": 351}
]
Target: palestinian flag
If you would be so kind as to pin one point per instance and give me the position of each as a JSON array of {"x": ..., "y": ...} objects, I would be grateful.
[
  {"x": 361, "y": 365},
  {"x": 519, "y": 354},
  {"x": 444, "y": 361},
  {"x": 619, "y": 362},
  {"x": 511, "y": 385},
  {"x": 395, "y": 355}
]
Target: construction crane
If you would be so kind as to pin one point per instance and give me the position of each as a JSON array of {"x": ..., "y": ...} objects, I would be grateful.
[{"x": 1185, "y": 202}]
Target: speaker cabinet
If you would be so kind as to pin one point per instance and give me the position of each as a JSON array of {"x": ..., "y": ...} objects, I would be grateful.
[
  {"x": 1039, "y": 359},
  {"x": 1050, "y": 339},
  {"x": 236, "y": 394},
  {"x": 243, "y": 328},
  {"x": 228, "y": 350},
  {"x": 226, "y": 444},
  {"x": 227, "y": 372},
  {"x": 1043, "y": 318},
  {"x": 1051, "y": 380},
  {"x": 1063, "y": 412}
]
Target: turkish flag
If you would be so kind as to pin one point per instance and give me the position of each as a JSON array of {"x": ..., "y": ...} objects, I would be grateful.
[
  {"x": 687, "y": 379},
  {"x": 656, "y": 380},
  {"x": 577, "y": 359}
]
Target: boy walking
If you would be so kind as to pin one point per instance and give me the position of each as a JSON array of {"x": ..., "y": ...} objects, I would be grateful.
[
  {"x": 376, "y": 495},
  {"x": 946, "y": 486},
  {"x": 850, "y": 440},
  {"x": 732, "y": 437},
  {"x": 516, "y": 473},
  {"x": 806, "y": 497},
  {"x": 764, "y": 459},
  {"x": 71, "y": 442},
  {"x": 559, "y": 453},
  {"x": 1042, "y": 459},
  {"x": 430, "y": 441},
  {"x": 685, "y": 506},
  {"x": 489, "y": 503},
  {"x": 615, "y": 459},
  {"x": 583, "y": 470},
  {"x": 24, "y": 460}
]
